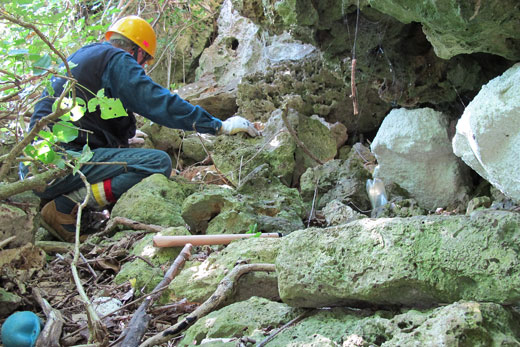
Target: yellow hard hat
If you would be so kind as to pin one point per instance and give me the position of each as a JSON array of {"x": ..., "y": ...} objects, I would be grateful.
[{"x": 137, "y": 30}]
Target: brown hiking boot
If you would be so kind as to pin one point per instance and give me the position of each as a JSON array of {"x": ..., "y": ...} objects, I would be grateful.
[{"x": 63, "y": 225}]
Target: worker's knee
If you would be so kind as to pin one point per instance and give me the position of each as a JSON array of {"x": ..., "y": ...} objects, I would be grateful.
[{"x": 163, "y": 162}]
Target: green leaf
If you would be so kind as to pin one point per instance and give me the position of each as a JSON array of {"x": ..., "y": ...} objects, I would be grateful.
[
  {"x": 65, "y": 131},
  {"x": 75, "y": 113},
  {"x": 86, "y": 154},
  {"x": 43, "y": 63},
  {"x": 46, "y": 154},
  {"x": 253, "y": 229},
  {"x": 110, "y": 108},
  {"x": 30, "y": 151},
  {"x": 47, "y": 136},
  {"x": 60, "y": 163}
]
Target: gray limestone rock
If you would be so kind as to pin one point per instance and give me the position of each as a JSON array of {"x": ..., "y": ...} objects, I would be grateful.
[
  {"x": 488, "y": 133},
  {"x": 412, "y": 149}
]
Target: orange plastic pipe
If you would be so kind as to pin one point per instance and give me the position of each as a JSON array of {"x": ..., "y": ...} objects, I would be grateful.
[{"x": 198, "y": 240}]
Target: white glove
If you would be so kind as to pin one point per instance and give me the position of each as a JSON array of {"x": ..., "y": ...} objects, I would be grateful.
[
  {"x": 238, "y": 124},
  {"x": 138, "y": 139}
]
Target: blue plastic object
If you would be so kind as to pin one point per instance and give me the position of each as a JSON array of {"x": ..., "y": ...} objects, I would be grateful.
[{"x": 21, "y": 329}]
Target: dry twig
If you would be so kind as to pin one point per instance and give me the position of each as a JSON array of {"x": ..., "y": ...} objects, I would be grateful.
[{"x": 140, "y": 320}]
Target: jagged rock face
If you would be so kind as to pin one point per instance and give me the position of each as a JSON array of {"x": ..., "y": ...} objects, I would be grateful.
[
  {"x": 457, "y": 27},
  {"x": 462, "y": 323},
  {"x": 322, "y": 89},
  {"x": 415, "y": 261},
  {"x": 413, "y": 149},
  {"x": 395, "y": 63},
  {"x": 488, "y": 133},
  {"x": 180, "y": 47},
  {"x": 342, "y": 180}
]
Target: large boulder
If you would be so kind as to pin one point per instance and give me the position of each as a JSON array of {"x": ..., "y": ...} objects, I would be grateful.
[
  {"x": 154, "y": 200},
  {"x": 488, "y": 133},
  {"x": 416, "y": 261},
  {"x": 458, "y": 324},
  {"x": 413, "y": 149}
]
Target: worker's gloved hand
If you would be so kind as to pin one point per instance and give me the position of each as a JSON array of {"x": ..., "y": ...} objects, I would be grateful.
[
  {"x": 238, "y": 124},
  {"x": 138, "y": 139}
]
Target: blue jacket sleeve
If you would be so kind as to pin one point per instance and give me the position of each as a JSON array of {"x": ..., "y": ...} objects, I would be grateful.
[{"x": 126, "y": 80}]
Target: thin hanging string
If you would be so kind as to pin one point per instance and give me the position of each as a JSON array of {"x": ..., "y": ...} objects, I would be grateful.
[{"x": 355, "y": 32}]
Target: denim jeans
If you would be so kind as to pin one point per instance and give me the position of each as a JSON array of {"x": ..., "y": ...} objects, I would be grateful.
[{"x": 140, "y": 163}]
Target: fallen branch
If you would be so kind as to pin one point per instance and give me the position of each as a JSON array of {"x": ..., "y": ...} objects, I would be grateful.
[
  {"x": 51, "y": 333},
  {"x": 221, "y": 294},
  {"x": 298, "y": 141},
  {"x": 139, "y": 322},
  {"x": 116, "y": 221},
  {"x": 55, "y": 246},
  {"x": 37, "y": 182}
]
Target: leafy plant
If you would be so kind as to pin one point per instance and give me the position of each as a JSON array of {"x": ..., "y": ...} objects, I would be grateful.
[{"x": 253, "y": 229}]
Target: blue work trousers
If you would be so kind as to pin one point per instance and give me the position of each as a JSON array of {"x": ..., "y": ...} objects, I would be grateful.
[{"x": 140, "y": 163}]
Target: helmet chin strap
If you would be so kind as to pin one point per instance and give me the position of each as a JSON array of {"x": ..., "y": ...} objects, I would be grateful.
[{"x": 136, "y": 53}]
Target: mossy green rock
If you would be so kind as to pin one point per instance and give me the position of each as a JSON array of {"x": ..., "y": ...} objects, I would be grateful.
[
  {"x": 158, "y": 255},
  {"x": 266, "y": 202},
  {"x": 146, "y": 277},
  {"x": 9, "y": 302},
  {"x": 198, "y": 281},
  {"x": 342, "y": 180},
  {"x": 458, "y": 324},
  {"x": 155, "y": 200},
  {"x": 143, "y": 277},
  {"x": 416, "y": 261},
  {"x": 454, "y": 27},
  {"x": 240, "y": 319}
]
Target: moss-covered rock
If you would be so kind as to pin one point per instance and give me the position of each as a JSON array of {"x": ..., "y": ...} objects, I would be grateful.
[
  {"x": 458, "y": 324},
  {"x": 415, "y": 261},
  {"x": 155, "y": 200},
  {"x": 198, "y": 281},
  {"x": 342, "y": 180},
  {"x": 246, "y": 318},
  {"x": 145, "y": 275},
  {"x": 467, "y": 27},
  {"x": 158, "y": 256}
]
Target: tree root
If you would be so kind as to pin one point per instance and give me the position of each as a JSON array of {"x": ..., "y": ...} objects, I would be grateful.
[{"x": 222, "y": 293}]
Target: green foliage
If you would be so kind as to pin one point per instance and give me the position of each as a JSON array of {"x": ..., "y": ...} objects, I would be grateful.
[
  {"x": 253, "y": 229},
  {"x": 110, "y": 108},
  {"x": 33, "y": 32}
]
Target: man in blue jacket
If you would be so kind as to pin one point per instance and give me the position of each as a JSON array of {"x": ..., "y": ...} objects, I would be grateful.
[{"x": 117, "y": 67}]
